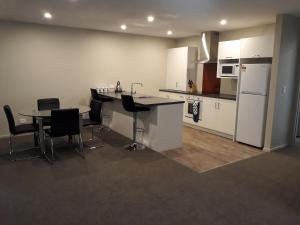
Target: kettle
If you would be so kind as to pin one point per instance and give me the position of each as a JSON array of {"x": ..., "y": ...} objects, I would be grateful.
[{"x": 118, "y": 87}]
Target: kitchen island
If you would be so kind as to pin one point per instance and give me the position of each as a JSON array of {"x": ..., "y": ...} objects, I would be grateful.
[{"x": 162, "y": 124}]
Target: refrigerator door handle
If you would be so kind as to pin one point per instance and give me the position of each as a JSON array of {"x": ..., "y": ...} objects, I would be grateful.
[{"x": 252, "y": 93}]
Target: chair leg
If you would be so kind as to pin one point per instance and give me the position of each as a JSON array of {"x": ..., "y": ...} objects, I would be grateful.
[
  {"x": 80, "y": 142},
  {"x": 36, "y": 139},
  {"x": 81, "y": 147},
  {"x": 92, "y": 134},
  {"x": 11, "y": 148},
  {"x": 52, "y": 148}
]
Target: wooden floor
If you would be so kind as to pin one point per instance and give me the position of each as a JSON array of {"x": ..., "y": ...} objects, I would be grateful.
[{"x": 202, "y": 151}]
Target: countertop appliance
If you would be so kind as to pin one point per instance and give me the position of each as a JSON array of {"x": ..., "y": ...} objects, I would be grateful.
[
  {"x": 118, "y": 88},
  {"x": 188, "y": 111},
  {"x": 252, "y": 107},
  {"x": 229, "y": 68}
]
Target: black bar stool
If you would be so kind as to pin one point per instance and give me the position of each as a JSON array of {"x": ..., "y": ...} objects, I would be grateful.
[
  {"x": 95, "y": 96},
  {"x": 130, "y": 106}
]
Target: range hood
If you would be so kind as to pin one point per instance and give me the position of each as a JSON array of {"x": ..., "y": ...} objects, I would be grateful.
[{"x": 209, "y": 47}]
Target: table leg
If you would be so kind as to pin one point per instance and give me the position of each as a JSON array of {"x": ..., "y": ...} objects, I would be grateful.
[{"x": 42, "y": 141}]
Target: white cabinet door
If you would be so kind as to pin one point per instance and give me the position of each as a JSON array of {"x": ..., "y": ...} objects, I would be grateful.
[
  {"x": 209, "y": 113},
  {"x": 256, "y": 47},
  {"x": 229, "y": 49},
  {"x": 177, "y": 63},
  {"x": 226, "y": 116}
]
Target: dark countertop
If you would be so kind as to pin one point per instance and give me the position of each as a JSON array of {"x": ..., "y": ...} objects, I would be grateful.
[
  {"x": 144, "y": 100},
  {"x": 221, "y": 96}
]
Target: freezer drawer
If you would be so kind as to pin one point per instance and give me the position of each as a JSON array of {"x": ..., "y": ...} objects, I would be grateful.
[
  {"x": 255, "y": 78},
  {"x": 251, "y": 119}
]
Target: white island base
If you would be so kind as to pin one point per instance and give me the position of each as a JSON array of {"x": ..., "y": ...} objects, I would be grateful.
[{"x": 162, "y": 124}]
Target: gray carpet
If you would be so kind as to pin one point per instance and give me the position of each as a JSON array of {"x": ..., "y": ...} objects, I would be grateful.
[{"x": 115, "y": 187}]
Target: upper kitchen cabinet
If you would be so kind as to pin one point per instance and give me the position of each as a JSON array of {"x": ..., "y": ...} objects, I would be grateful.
[
  {"x": 229, "y": 49},
  {"x": 256, "y": 47},
  {"x": 181, "y": 67}
]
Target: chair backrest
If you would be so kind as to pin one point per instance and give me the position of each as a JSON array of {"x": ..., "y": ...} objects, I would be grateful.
[
  {"x": 48, "y": 103},
  {"x": 64, "y": 122},
  {"x": 10, "y": 119},
  {"x": 95, "y": 113},
  {"x": 94, "y": 94},
  {"x": 128, "y": 103}
]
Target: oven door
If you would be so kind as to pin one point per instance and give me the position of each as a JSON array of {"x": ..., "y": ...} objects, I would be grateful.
[{"x": 189, "y": 109}]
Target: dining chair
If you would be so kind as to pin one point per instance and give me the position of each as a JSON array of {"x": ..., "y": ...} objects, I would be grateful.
[
  {"x": 48, "y": 103},
  {"x": 94, "y": 120},
  {"x": 65, "y": 122},
  {"x": 17, "y": 130}
]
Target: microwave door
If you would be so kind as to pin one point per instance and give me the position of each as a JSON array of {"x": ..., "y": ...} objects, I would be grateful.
[{"x": 227, "y": 70}]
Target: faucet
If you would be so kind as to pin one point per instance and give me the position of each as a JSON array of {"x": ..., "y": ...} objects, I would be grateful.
[{"x": 132, "y": 84}]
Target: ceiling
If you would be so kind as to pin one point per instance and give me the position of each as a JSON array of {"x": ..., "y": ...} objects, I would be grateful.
[{"x": 183, "y": 17}]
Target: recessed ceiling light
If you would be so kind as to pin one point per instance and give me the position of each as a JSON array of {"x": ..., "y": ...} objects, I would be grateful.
[
  {"x": 223, "y": 22},
  {"x": 47, "y": 15},
  {"x": 150, "y": 18},
  {"x": 123, "y": 27},
  {"x": 169, "y": 32}
]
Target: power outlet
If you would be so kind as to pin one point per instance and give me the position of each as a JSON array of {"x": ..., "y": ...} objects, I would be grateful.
[
  {"x": 284, "y": 89},
  {"x": 23, "y": 121}
]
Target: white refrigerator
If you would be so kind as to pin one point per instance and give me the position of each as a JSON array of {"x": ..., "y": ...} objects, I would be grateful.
[{"x": 252, "y": 106}]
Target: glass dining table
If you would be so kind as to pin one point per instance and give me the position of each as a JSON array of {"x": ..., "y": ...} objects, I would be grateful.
[{"x": 39, "y": 115}]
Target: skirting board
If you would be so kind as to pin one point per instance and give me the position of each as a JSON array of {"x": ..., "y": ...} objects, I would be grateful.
[
  {"x": 266, "y": 149},
  {"x": 4, "y": 136},
  {"x": 209, "y": 131}
]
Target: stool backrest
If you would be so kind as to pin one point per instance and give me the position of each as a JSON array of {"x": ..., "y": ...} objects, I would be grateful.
[
  {"x": 48, "y": 103},
  {"x": 10, "y": 119},
  {"x": 128, "y": 103},
  {"x": 65, "y": 122},
  {"x": 95, "y": 113},
  {"x": 94, "y": 94}
]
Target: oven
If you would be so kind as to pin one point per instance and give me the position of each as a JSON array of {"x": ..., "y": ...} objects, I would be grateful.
[{"x": 189, "y": 101}]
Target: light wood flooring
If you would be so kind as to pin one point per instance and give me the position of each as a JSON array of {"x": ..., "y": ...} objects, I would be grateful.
[{"x": 202, "y": 151}]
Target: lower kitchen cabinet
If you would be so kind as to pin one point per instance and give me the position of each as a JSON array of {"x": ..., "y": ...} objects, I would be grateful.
[{"x": 219, "y": 115}]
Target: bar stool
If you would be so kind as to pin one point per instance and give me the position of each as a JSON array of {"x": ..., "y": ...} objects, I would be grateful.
[
  {"x": 97, "y": 97},
  {"x": 130, "y": 106}
]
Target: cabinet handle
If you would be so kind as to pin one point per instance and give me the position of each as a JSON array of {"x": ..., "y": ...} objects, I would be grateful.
[
  {"x": 218, "y": 105},
  {"x": 228, "y": 57}
]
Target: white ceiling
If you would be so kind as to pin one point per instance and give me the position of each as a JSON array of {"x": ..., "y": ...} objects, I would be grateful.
[{"x": 184, "y": 17}]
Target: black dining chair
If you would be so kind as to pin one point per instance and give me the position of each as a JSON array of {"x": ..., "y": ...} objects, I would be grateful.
[
  {"x": 17, "y": 130},
  {"x": 48, "y": 103},
  {"x": 65, "y": 122},
  {"x": 130, "y": 106},
  {"x": 95, "y": 119}
]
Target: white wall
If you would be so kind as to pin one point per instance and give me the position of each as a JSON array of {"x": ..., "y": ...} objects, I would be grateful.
[
  {"x": 39, "y": 61},
  {"x": 285, "y": 73}
]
